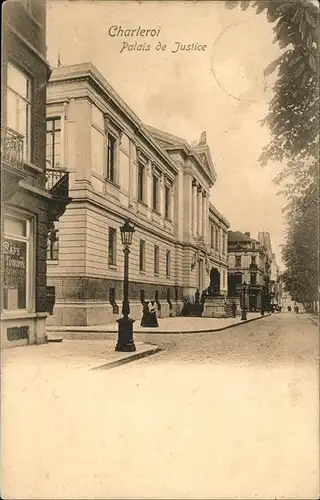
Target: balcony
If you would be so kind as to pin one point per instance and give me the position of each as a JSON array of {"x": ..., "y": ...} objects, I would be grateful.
[
  {"x": 11, "y": 148},
  {"x": 57, "y": 183},
  {"x": 253, "y": 267},
  {"x": 12, "y": 170}
]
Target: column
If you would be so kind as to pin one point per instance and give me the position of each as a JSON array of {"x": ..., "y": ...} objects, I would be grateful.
[
  {"x": 200, "y": 212},
  {"x": 171, "y": 207},
  {"x": 149, "y": 185},
  {"x": 194, "y": 209},
  {"x": 161, "y": 195},
  {"x": 187, "y": 208},
  {"x": 205, "y": 218},
  {"x": 133, "y": 172}
]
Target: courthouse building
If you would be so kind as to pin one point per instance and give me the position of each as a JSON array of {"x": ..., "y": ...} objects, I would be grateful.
[
  {"x": 31, "y": 196},
  {"x": 119, "y": 168}
]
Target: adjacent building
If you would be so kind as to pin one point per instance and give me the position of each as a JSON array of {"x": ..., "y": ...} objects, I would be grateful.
[
  {"x": 248, "y": 263},
  {"x": 252, "y": 261},
  {"x": 275, "y": 284},
  {"x": 120, "y": 168},
  {"x": 32, "y": 197}
]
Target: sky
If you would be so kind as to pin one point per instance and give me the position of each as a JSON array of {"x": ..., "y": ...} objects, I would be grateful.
[{"x": 220, "y": 90}]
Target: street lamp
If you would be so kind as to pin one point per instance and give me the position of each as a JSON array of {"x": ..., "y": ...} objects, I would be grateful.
[
  {"x": 244, "y": 312},
  {"x": 125, "y": 324},
  {"x": 262, "y": 302}
]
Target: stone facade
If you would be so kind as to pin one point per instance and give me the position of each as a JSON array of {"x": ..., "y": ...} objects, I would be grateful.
[
  {"x": 119, "y": 168},
  {"x": 248, "y": 263},
  {"x": 26, "y": 203}
]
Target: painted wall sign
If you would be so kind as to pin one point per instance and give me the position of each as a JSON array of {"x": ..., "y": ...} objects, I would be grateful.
[{"x": 15, "y": 263}]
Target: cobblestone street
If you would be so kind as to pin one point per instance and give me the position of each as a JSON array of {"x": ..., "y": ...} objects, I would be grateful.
[{"x": 230, "y": 414}]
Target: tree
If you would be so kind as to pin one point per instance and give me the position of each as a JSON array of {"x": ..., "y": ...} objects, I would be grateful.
[
  {"x": 293, "y": 115},
  {"x": 293, "y": 119},
  {"x": 300, "y": 252}
]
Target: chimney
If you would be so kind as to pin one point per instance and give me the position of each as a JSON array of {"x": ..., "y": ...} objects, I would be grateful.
[{"x": 247, "y": 234}]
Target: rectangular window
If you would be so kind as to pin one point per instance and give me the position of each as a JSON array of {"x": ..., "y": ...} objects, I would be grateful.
[
  {"x": 18, "y": 106},
  {"x": 156, "y": 259},
  {"x": 253, "y": 260},
  {"x": 111, "y": 158},
  {"x": 167, "y": 200},
  {"x": 97, "y": 148},
  {"x": 112, "y": 247},
  {"x": 141, "y": 180},
  {"x": 53, "y": 242},
  {"x": 142, "y": 256},
  {"x": 155, "y": 192},
  {"x": 238, "y": 261},
  {"x": 253, "y": 278},
  {"x": 17, "y": 260},
  {"x": 168, "y": 263},
  {"x": 211, "y": 236},
  {"x": 53, "y": 145}
]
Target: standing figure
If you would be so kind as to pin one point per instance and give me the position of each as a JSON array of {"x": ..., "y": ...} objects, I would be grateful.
[
  {"x": 234, "y": 309},
  {"x": 145, "y": 320},
  {"x": 197, "y": 296},
  {"x": 152, "y": 314}
]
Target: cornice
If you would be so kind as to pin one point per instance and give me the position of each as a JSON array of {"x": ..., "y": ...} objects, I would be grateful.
[
  {"x": 87, "y": 72},
  {"x": 28, "y": 44}
]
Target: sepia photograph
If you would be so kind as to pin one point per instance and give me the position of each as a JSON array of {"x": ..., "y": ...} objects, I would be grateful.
[{"x": 160, "y": 250}]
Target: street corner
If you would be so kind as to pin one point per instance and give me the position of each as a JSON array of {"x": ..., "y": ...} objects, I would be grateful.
[{"x": 120, "y": 358}]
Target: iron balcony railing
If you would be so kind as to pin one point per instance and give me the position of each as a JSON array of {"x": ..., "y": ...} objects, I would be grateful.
[
  {"x": 57, "y": 182},
  {"x": 11, "y": 147},
  {"x": 53, "y": 177}
]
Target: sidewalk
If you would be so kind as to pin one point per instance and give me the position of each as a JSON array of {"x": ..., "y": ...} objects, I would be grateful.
[
  {"x": 89, "y": 354},
  {"x": 177, "y": 325},
  {"x": 313, "y": 317}
]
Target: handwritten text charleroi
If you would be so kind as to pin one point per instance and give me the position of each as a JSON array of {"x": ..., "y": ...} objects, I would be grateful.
[{"x": 152, "y": 34}]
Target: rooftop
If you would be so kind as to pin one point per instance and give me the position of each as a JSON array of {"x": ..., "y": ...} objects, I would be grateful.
[{"x": 239, "y": 237}]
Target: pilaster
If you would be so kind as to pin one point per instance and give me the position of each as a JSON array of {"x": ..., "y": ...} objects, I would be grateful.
[
  {"x": 149, "y": 188},
  {"x": 200, "y": 212},
  {"x": 205, "y": 220},
  {"x": 194, "y": 209}
]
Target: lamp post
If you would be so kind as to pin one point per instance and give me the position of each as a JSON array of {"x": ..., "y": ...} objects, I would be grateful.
[
  {"x": 244, "y": 312},
  {"x": 125, "y": 324},
  {"x": 262, "y": 302}
]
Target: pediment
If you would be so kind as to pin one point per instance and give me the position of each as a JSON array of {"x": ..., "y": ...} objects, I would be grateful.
[
  {"x": 200, "y": 151},
  {"x": 204, "y": 157}
]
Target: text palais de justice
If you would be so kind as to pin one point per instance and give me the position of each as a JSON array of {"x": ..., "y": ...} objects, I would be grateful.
[{"x": 118, "y": 31}]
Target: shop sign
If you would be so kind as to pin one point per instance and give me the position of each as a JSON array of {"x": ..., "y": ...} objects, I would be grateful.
[{"x": 15, "y": 263}]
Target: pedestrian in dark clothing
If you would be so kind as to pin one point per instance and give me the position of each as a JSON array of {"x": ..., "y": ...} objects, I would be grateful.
[
  {"x": 197, "y": 296},
  {"x": 145, "y": 320},
  {"x": 202, "y": 301},
  {"x": 234, "y": 309}
]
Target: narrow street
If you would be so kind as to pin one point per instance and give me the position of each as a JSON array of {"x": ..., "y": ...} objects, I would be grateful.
[{"x": 230, "y": 414}]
